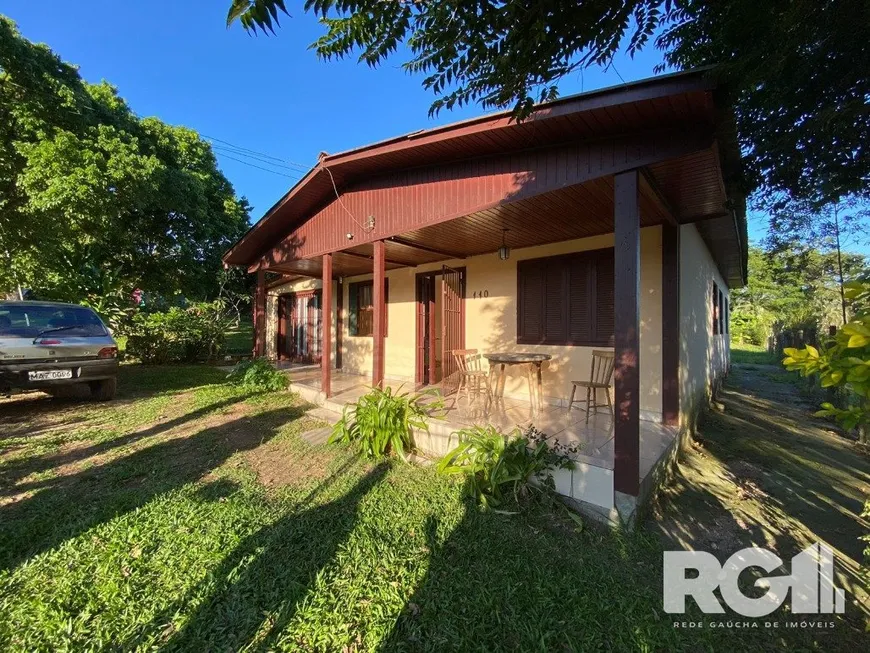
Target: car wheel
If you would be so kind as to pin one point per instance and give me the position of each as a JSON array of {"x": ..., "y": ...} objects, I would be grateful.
[{"x": 104, "y": 390}]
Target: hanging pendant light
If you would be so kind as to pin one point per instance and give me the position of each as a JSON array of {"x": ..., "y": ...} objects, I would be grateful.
[{"x": 504, "y": 252}]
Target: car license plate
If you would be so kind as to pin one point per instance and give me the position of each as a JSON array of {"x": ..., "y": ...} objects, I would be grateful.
[{"x": 49, "y": 375}]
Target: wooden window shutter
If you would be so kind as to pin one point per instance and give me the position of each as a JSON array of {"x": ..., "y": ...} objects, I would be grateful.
[
  {"x": 566, "y": 300},
  {"x": 530, "y": 302},
  {"x": 352, "y": 302},
  {"x": 721, "y": 313},
  {"x": 555, "y": 310},
  {"x": 604, "y": 299},
  {"x": 581, "y": 300},
  {"x": 361, "y": 295},
  {"x": 715, "y": 309}
]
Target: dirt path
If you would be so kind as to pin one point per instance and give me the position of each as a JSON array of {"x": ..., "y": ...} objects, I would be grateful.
[{"x": 765, "y": 472}]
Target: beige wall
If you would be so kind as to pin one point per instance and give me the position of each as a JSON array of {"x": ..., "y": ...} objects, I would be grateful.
[
  {"x": 704, "y": 357},
  {"x": 272, "y": 312},
  {"x": 491, "y": 321}
]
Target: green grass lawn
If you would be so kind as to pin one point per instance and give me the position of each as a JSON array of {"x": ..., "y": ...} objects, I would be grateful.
[
  {"x": 240, "y": 339},
  {"x": 190, "y": 515},
  {"x": 743, "y": 353}
]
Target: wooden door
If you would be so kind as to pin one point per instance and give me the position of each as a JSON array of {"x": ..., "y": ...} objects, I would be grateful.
[
  {"x": 299, "y": 327},
  {"x": 283, "y": 345},
  {"x": 421, "y": 372},
  {"x": 426, "y": 368},
  {"x": 452, "y": 325}
]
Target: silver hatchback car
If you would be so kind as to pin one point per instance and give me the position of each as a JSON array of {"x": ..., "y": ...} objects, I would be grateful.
[{"x": 48, "y": 344}]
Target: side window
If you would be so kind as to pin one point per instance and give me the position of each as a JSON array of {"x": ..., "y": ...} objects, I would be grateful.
[
  {"x": 716, "y": 316},
  {"x": 361, "y": 307}
]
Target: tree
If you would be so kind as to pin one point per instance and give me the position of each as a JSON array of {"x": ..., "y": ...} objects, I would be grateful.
[
  {"x": 96, "y": 202},
  {"x": 830, "y": 229},
  {"x": 797, "y": 70},
  {"x": 793, "y": 287},
  {"x": 757, "y": 306}
]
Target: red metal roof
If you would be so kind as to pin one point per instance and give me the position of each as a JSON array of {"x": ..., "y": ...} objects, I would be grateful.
[{"x": 683, "y": 101}]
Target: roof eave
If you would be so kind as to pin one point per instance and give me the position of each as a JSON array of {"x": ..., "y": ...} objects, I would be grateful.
[{"x": 696, "y": 79}]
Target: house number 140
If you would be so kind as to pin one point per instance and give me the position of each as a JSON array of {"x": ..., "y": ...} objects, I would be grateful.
[{"x": 480, "y": 294}]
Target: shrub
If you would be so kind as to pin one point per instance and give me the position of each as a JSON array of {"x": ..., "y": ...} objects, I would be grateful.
[
  {"x": 381, "y": 422},
  {"x": 179, "y": 334},
  {"x": 258, "y": 375},
  {"x": 494, "y": 463},
  {"x": 842, "y": 362}
]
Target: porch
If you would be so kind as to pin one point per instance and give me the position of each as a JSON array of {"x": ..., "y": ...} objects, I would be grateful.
[
  {"x": 590, "y": 484},
  {"x": 602, "y": 221}
]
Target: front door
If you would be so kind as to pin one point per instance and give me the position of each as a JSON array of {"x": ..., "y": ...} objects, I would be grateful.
[
  {"x": 299, "y": 327},
  {"x": 440, "y": 326},
  {"x": 452, "y": 326},
  {"x": 428, "y": 334}
]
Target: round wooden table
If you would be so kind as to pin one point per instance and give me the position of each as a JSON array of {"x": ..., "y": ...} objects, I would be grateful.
[{"x": 498, "y": 361}]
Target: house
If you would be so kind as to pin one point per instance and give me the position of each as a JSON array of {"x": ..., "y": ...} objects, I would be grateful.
[{"x": 610, "y": 219}]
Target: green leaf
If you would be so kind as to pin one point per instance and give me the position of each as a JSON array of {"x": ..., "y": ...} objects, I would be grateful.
[
  {"x": 577, "y": 519},
  {"x": 855, "y": 328}
]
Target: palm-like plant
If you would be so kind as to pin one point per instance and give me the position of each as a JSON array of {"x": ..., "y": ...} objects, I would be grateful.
[
  {"x": 494, "y": 463},
  {"x": 381, "y": 423}
]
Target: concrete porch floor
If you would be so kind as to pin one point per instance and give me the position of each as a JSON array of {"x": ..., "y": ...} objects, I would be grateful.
[{"x": 595, "y": 439}]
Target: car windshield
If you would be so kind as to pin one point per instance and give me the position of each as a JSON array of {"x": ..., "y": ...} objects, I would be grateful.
[{"x": 28, "y": 321}]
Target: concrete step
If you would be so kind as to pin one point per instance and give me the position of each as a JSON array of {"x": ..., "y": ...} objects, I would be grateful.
[
  {"x": 324, "y": 413},
  {"x": 317, "y": 436}
]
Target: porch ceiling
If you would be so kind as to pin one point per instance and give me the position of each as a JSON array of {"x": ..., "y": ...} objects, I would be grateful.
[
  {"x": 344, "y": 264},
  {"x": 573, "y": 212}
]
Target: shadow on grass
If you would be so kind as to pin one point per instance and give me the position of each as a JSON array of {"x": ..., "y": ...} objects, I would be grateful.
[
  {"x": 134, "y": 380},
  {"x": 14, "y": 471},
  {"x": 64, "y": 507},
  {"x": 529, "y": 582},
  {"x": 767, "y": 473},
  {"x": 33, "y": 413},
  {"x": 255, "y": 592}
]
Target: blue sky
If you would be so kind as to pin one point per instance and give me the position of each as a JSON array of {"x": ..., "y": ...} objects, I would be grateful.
[{"x": 176, "y": 59}]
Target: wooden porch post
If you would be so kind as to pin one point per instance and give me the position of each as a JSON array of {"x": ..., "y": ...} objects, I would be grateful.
[
  {"x": 326, "y": 328},
  {"x": 260, "y": 315},
  {"x": 339, "y": 320},
  {"x": 626, "y": 472},
  {"x": 670, "y": 325},
  {"x": 379, "y": 307}
]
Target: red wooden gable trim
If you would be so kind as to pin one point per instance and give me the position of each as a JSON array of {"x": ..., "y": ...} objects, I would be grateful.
[{"x": 411, "y": 199}]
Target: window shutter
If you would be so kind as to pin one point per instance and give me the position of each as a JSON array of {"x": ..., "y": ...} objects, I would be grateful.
[
  {"x": 581, "y": 301},
  {"x": 604, "y": 300},
  {"x": 555, "y": 311},
  {"x": 721, "y": 313},
  {"x": 566, "y": 300},
  {"x": 715, "y": 309},
  {"x": 530, "y": 299},
  {"x": 352, "y": 301}
]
